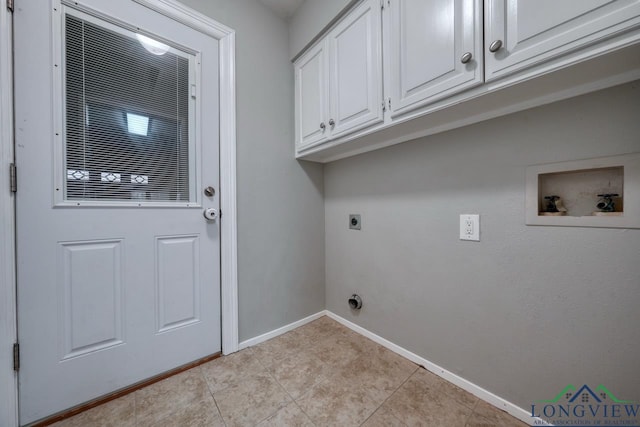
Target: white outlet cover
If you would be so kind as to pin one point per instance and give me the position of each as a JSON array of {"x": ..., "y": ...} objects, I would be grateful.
[{"x": 470, "y": 227}]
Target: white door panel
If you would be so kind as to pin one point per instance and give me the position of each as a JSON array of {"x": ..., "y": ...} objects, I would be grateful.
[
  {"x": 118, "y": 279},
  {"x": 533, "y": 18},
  {"x": 311, "y": 97},
  {"x": 420, "y": 49},
  {"x": 427, "y": 43},
  {"x": 534, "y": 32},
  {"x": 356, "y": 70}
]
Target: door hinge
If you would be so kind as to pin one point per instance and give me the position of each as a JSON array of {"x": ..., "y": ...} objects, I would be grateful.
[
  {"x": 384, "y": 106},
  {"x": 13, "y": 179},
  {"x": 220, "y": 213},
  {"x": 10, "y": 5},
  {"x": 16, "y": 356},
  {"x": 389, "y": 103}
]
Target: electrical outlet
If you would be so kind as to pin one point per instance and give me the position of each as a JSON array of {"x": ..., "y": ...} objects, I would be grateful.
[{"x": 470, "y": 227}]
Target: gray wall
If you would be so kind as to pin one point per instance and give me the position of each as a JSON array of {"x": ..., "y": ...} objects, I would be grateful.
[
  {"x": 525, "y": 311},
  {"x": 309, "y": 20},
  {"x": 280, "y": 205}
]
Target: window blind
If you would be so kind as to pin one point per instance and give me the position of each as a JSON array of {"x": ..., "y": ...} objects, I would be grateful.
[{"x": 127, "y": 116}]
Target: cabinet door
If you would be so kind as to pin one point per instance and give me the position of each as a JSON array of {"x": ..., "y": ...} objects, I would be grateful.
[
  {"x": 434, "y": 50},
  {"x": 311, "y": 94},
  {"x": 356, "y": 70},
  {"x": 532, "y": 32}
]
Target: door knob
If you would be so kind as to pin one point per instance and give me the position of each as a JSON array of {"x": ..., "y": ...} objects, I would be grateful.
[
  {"x": 210, "y": 214},
  {"x": 332, "y": 122},
  {"x": 466, "y": 57}
]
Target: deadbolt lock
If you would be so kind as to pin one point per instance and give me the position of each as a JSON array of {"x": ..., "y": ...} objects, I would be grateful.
[{"x": 209, "y": 191}]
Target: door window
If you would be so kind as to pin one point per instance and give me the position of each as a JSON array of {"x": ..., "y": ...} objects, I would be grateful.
[{"x": 129, "y": 103}]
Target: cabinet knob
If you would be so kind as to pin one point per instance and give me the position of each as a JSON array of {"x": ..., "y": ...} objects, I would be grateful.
[
  {"x": 495, "y": 46},
  {"x": 332, "y": 122},
  {"x": 466, "y": 57},
  {"x": 322, "y": 126}
]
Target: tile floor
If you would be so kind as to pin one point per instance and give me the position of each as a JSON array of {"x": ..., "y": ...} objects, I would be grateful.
[{"x": 321, "y": 374}]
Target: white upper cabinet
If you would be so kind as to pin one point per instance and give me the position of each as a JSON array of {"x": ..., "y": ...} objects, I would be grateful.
[
  {"x": 523, "y": 33},
  {"x": 339, "y": 80},
  {"x": 312, "y": 93},
  {"x": 433, "y": 50},
  {"x": 390, "y": 71}
]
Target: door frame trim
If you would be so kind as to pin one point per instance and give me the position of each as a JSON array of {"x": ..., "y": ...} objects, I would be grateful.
[
  {"x": 8, "y": 308},
  {"x": 228, "y": 225}
]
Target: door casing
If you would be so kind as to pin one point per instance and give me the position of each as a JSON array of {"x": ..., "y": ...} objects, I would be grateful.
[
  {"x": 228, "y": 226},
  {"x": 8, "y": 319}
]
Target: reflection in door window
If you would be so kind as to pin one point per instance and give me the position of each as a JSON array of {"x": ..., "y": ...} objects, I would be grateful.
[{"x": 127, "y": 115}]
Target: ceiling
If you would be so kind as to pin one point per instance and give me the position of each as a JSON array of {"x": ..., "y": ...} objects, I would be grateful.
[{"x": 284, "y": 8}]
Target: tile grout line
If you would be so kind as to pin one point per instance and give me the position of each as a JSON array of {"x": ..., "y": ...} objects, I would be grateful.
[
  {"x": 449, "y": 396},
  {"x": 135, "y": 409},
  {"x": 466, "y": 421},
  {"x": 268, "y": 371},
  {"x": 391, "y": 394},
  {"x": 215, "y": 402},
  {"x": 309, "y": 391},
  {"x": 345, "y": 331},
  {"x": 280, "y": 408},
  {"x": 307, "y": 415},
  {"x": 295, "y": 402},
  {"x": 473, "y": 411},
  {"x": 285, "y": 390},
  {"x": 328, "y": 378},
  {"x": 396, "y": 390},
  {"x": 292, "y": 401}
]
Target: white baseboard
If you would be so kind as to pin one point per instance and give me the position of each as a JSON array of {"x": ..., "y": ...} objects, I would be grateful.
[
  {"x": 291, "y": 326},
  {"x": 464, "y": 384}
]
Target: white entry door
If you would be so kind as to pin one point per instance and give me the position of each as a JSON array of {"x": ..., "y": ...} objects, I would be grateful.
[{"x": 117, "y": 138}]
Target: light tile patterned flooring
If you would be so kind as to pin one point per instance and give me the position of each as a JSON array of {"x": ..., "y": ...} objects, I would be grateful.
[{"x": 321, "y": 374}]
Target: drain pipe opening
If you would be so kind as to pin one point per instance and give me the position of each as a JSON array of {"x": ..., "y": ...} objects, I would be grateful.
[{"x": 355, "y": 302}]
